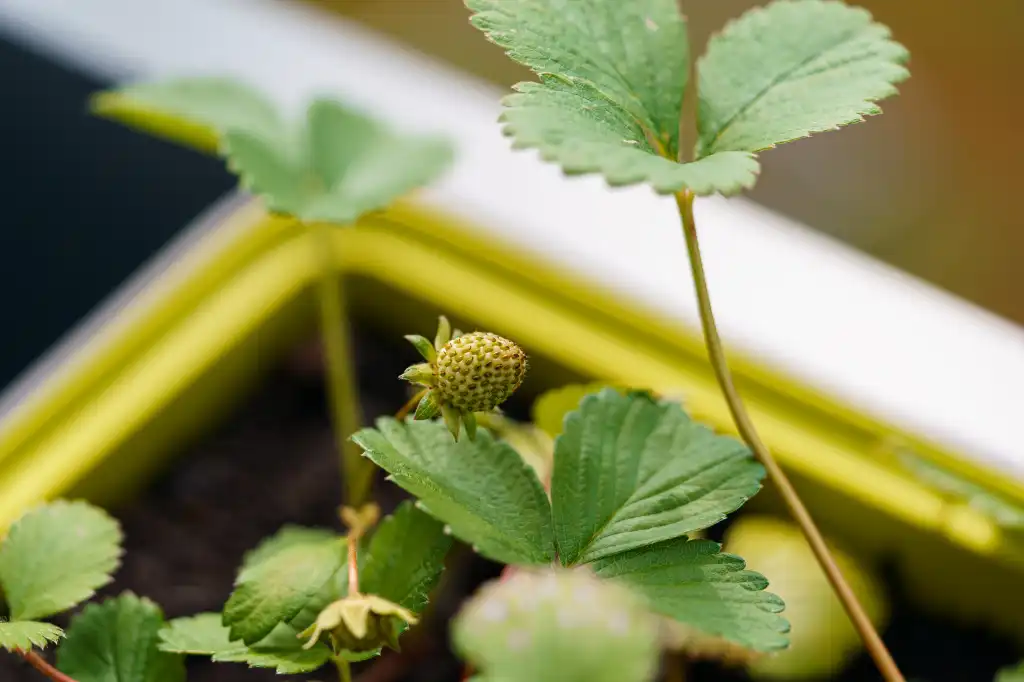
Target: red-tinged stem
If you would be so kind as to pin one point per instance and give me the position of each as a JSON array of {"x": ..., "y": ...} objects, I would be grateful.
[
  {"x": 353, "y": 563},
  {"x": 43, "y": 666},
  {"x": 716, "y": 353}
]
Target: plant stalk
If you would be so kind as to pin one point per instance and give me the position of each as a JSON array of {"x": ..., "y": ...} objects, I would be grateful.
[
  {"x": 874, "y": 644},
  {"x": 342, "y": 394},
  {"x": 410, "y": 404},
  {"x": 344, "y": 669},
  {"x": 42, "y": 665}
]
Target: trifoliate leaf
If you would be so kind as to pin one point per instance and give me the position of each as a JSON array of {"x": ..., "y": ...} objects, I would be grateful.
[
  {"x": 405, "y": 558},
  {"x": 116, "y": 641},
  {"x": 1011, "y": 674},
  {"x": 631, "y": 471},
  {"x": 205, "y": 635},
  {"x": 694, "y": 583},
  {"x": 612, "y": 76},
  {"x": 22, "y": 635},
  {"x": 279, "y": 579},
  {"x": 56, "y": 556},
  {"x": 336, "y": 167},
  {"x": 194, "y": 111},
  {"x": 793, "y": 68},
  {"x": 558, "y": 626},
  {"x": 481, "y": 488}
]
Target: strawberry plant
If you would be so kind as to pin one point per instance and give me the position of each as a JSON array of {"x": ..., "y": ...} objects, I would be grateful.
[{"x": 598, "y": 528}]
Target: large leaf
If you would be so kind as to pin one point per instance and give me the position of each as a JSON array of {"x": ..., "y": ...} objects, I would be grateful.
[
  {"x": 116, "y": 641},
  {"x": 631, "y": 471},
  {"x": 56, "y": 556},
  {"x": 612, "y": 80},
  {"x": 481, "y": 488},
  {"x": 280, "y": 579},
  {"x": 694, "y": 583},
  {"x": 405, "y": 558},
  {"x": 790, "y": 69},
  {"x": 23, "y": 635},
  {"x": 557, "y": 626},
  {"x": 205, "y": 635},
  {"x": 196, "y": 111}
]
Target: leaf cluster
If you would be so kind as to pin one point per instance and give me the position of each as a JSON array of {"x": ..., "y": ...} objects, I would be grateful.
[
  {"x": 612, "y": 78},
  {"x": 632, "y": 476},
  {"x": 54, "y": 558},
  {"x": 286, "y": 581}
]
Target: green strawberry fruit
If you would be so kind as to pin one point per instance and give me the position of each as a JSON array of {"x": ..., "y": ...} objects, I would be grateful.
[{"x": 465, "y": 374}]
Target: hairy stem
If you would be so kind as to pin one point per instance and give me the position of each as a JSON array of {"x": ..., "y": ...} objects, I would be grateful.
[
  {"x": 342, "y": 394},
  {"x": 43, "y": 666},
  {"x": 344, "y": 669},
  {"x": 883, "y": 659}
]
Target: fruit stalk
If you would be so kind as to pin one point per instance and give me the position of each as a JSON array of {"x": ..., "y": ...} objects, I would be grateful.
[{"x": 872, "y": 641}]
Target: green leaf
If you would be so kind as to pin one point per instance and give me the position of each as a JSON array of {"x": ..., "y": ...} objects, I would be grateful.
[
  {"x": 116, "y": 641},
  {"x": 482, "y": 489},
  {"x": 197, "y": 111},
  {"x": 362, "y": 166},
  {"x": 279, "y": 579},
  {"x": 573, "y": 125},
  {"x": 337, "y": 167},
  {"x": 793, "y": 68},
  {"x": 23, "y": 635},
  {"x": 557, "y": 626},
  {"x": 694, "y": 583},
  {"x": 1011, "y": 674},
  {"x": 57, "y": 556},
  {"x": 612, "y": 76},
  {"x": 205, "y": 635},
  {"x": 631, "y": 471},
  {"x": 405, "y": 558}
]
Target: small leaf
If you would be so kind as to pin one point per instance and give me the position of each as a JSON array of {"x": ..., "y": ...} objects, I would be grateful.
[
  {"x": 268, "y": 172},
  {"x": 279, "y": 579},
  {"x": 204, "y": 635},
  {"x": 558, "y": 626},
  {"x": 793, "y": 68},
  {"x": 612, "y": 76},
  {"x": 631, "y": 471},
  {"x": 481, "y": 488},
  {"x": 57, "y": 556},
  {"x": 23, "y": 635},
  {"x": 405, "y": 558},
  {"x": 694, "y": 583},
  {"x": 422, "y": 346},
  {"x": 116, "y": 641},
  {"x": 196, "y": 111}
]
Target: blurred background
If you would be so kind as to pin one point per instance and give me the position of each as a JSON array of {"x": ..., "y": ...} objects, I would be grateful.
[{"x": 931, "y": 187}]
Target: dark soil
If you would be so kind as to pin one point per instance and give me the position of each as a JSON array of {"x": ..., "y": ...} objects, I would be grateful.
[{"x": 275, "y": 463}]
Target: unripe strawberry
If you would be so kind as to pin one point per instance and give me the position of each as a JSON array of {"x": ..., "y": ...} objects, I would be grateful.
[
  {"x": 465, "y": 374},
  {"x": 479, "y": 371}
]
